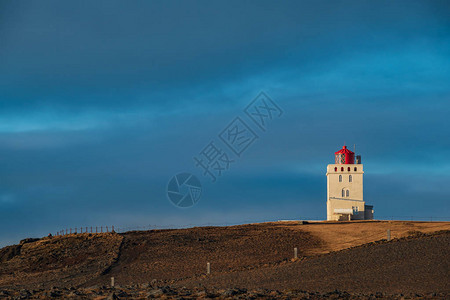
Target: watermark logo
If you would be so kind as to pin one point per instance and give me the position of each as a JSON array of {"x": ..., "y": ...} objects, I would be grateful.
[
  {"x": 262, "y": 110},
  {"x": 184, "y": 190},
  {"x": 214, "y": 160},
  {"x": 238, "y": 136}
]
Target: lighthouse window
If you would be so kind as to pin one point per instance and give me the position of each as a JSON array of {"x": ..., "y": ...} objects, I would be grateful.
[
  {"x": 340, "y": 178},
  {"x": 350, "y": 179},
  {"x": 345, "y": 193}
]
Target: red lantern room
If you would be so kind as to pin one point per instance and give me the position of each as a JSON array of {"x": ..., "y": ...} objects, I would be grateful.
[{"x": 344, "y": 156}]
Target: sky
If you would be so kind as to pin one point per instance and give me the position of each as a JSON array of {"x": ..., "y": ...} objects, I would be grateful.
[{"x": 103, "y": 102}]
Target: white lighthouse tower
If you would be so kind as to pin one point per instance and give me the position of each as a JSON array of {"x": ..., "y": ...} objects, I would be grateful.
[{"x": 345, "y": 199}]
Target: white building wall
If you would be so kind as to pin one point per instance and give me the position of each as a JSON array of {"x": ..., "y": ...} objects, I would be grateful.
[{"x": 354, "y": 200}]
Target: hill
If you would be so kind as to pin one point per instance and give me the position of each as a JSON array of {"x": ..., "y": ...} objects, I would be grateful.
[{"x": 349, "y": 256}]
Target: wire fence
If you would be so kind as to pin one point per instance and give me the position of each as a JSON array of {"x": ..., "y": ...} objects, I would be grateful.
[
  {"x": 122, "y": 229},
  {"x": 87, "y": 229}
]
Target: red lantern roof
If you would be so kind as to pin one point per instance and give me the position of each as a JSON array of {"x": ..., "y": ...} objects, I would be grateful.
[
  {"x": 344, "y": 156},
  {"x": 344, "y": 150}
]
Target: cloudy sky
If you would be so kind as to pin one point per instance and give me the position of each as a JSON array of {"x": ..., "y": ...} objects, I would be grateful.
[{"x": 102, "y": 102}]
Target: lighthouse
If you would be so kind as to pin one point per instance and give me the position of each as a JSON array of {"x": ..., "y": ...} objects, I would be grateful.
[{"x": 345, "y": 197}]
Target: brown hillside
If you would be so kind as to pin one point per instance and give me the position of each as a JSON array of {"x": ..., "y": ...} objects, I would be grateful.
[
  {"x": 342, "y": 235},
  {"x": 169, "y": 256},
  {"x": 174, "y": 254},
  {"x": 58, "y": 261},
  {"x": 419, "y": 264}
]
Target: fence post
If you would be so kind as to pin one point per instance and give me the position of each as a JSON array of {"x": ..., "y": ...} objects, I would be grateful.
[
  {"x": 295, "y": 253},
  {"x": 101, "y": 229},
  {"x": 70, "y": 231},
  {"x": 95, "y": 229},
  {"x": 388, "y": 234},
  {"x": 208, "y": 268},
  {"x": 107, "y": 229},
  {"x": 112, "y": 281}
]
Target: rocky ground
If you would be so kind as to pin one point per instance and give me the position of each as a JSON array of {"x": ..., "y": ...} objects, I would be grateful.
[
  {"x": 415, "y": 264},
  {"x": 146, "y": 291}
]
